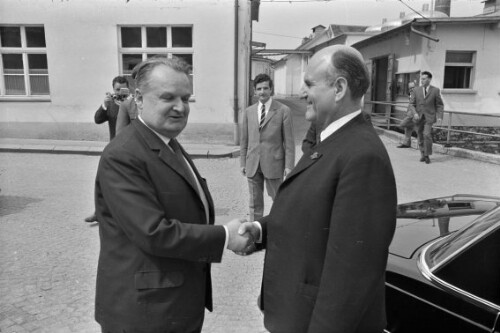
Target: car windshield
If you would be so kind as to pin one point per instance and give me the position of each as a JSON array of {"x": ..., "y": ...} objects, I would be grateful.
[{"x": 449, "y": 247}]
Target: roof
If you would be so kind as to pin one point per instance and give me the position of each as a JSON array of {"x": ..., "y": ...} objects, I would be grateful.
[{"x": 425, "y": 22}]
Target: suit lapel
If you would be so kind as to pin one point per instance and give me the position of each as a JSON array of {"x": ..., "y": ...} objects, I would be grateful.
[
  {"x": 270, "y": 113},
  {"x": 166, "y": 155},
  {"x": 305, "y": 162}
]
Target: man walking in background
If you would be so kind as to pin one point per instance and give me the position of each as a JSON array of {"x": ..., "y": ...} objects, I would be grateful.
[
  {"x": 407, "y": 123},
  {"x": 267, "y": 145},
  {"x": 427, "y": 106}
]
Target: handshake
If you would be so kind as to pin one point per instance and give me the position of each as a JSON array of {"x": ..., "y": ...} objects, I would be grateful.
[{"x": 242, "y": 236}]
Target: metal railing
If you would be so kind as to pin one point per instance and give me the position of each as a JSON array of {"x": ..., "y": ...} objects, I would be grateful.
[{"x": 388, "y": 120}]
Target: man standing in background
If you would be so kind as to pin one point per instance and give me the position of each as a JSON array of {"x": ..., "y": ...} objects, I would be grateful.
[
  {"x": 108, "y": 111},
  {"x": 267, "y": 145}
]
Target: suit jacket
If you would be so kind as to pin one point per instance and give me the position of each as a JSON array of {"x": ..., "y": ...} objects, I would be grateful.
[
  {"x": 109, "y": 115},
  {"x": 429, "y": 106},
  {"x": 126, "y": 113},
  {"x": 327, "y": 237},
  {"x": 273, "y": 147},
  {"x": 156, "y": 245}
]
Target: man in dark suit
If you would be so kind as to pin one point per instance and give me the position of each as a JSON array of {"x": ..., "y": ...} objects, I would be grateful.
[
  {"x": 156, "y": 216},
  {"x": 108, "y": 112},
  {"x": 328, "y": 232},
  {"x": 267, "y": 145},
  {"x": 427, "y": 106}
]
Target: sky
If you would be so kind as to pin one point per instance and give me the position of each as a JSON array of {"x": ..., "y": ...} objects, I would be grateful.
[{"x": 282, "y": 24}]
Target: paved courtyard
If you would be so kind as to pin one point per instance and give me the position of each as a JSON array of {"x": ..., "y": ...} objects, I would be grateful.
[{"x": 48, "y": 255}]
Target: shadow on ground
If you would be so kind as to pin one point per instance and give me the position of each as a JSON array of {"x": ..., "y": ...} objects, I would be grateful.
[{"x": 10, "y": 204}]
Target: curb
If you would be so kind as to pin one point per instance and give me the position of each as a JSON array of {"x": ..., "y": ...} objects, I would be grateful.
[
  {"x": 452, "y": 151},
  {"x": 83, "y": 149}
]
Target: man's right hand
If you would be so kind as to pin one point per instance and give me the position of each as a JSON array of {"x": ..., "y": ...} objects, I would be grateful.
[
  {"x": 238, "y": 242},
  {"x": 243, "y": 171},
  {"x": 108, "y": 99},
  {"x": 415, "y": 117}
]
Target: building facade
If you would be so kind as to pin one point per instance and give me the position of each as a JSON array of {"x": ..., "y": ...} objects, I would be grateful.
[
  {"x": 461, "y": 53},
  {"x": 57, "y": 59}
]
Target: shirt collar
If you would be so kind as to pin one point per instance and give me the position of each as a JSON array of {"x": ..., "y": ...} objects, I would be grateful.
[
  {"x": 333, "y": 127},
  {"x": 162, "y": 137},
  {"x": 267, "y": 104}
]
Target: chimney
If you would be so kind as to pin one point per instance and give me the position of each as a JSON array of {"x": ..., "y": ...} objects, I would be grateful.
[
  {"x": 443, "y": 6},
  {"x": 401, "y": 15},
  {"x": 317, "y": 29},
  {"x": 384, "y": 20},
  {"x": 425, "y": 7}
]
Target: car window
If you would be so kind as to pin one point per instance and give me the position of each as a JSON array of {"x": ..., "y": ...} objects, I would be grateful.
[
  {"x": 445, "y": 249},
  {"x": 469, "y": 259}
]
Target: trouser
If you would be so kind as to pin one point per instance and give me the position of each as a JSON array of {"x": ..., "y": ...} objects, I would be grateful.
[
  {"x": 424, "y": 135},
  {"x": 256, "y": 187},
  {"x": 409, "y": 126}
]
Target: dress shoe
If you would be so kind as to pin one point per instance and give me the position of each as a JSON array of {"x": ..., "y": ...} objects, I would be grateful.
[
  {"x": 422, "y": 159},
  {"x": 427, "y": 160},
  {"x": 403, "y": 146},
  {"x": 91, "y": 218}
]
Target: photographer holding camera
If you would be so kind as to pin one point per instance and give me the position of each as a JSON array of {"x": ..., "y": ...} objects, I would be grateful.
[{"x": 108, "y": 111}]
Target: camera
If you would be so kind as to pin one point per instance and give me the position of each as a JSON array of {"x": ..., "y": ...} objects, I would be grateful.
[{"x": 122, "y": 95}]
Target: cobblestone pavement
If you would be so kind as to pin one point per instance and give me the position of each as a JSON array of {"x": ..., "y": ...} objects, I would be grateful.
[{"x": 48, "y": 255}]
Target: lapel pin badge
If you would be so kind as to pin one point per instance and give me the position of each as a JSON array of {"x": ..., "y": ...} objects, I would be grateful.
[{"x": 315, "y": 156}]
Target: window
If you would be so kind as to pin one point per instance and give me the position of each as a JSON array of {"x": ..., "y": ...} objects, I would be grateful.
[
  {"x": 458, "y": 70},
  {"x": 402, "y": 80},
  {"x": 139, "y": 43},
  {"x": 23, "y": 61}
]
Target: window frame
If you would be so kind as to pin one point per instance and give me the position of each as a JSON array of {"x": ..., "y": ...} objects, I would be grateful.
[
  {"x": 471, "y": 65},
  {"x": 24, "y": 50},
  {"x": 144, "y": 50}
]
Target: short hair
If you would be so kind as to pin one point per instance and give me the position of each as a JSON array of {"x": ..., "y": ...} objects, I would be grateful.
[
  {"x": 262, "y": 78},
  {"x": 119, "y": 79},
  {"x": 349, "y": 64},
  {"x": 427, "y": 73},
  {"x": 142, "y": 71}
]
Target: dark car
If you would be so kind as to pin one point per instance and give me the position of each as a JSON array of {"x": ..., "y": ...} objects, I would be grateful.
[{"x": 443, "y": 272}]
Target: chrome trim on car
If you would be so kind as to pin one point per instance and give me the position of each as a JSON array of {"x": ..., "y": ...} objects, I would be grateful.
[
  {"x": 462, "y": 248},
  {"x": 438, "y": 307},
  {"x": 428, "y": 274}
]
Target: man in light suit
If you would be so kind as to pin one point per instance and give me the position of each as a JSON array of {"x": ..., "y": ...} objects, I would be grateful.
[
  {"x": 267, "y": 145},
  {"x": 156, "y": 216},
  {"x": 427, "y": 107},
  {"x": 328, "y": 233}
]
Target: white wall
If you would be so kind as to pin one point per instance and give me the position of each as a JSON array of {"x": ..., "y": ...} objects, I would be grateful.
[
  {"x": 415, "y": 53},
  {"x": 82, "y": 51}
]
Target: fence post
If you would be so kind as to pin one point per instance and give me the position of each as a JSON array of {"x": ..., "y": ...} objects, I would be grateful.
[{"x": 449, "y": 130}]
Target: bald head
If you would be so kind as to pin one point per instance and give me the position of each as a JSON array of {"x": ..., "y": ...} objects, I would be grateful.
[{"x": 343, "y": 61}]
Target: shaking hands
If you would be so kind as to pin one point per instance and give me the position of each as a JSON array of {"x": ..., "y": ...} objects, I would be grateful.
[{"x": 242, "y": 236}]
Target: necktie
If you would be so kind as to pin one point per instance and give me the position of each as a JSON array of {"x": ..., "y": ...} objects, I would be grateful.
[
  {"x": 262, "y": 116},
  {"x": 425, "y": 92},
  {"x": 187, "y": 169}
]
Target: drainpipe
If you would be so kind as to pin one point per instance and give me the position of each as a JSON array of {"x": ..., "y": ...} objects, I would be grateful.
[
  {"x": 235, "y": 97},
  {"x": 423, "y": 34}
]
